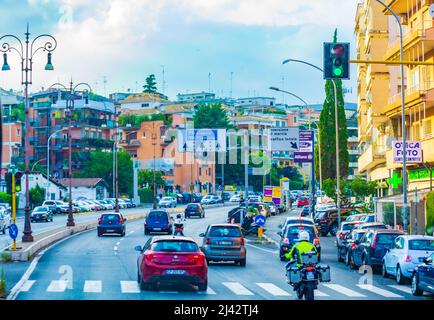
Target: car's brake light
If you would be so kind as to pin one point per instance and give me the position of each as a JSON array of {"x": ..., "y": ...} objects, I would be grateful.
[
  {"x": 242, "y": 242},
  {"x": 208, "y": 241},
  {"x": 120, "y": 219},
  {"x": 353, "y": 245},
  {"x": 285, "y": 240},
  {"x": 316, "y": 241},
  {"x": 310, "y": 268},
  {"x": 408, "y": 259},
  {"x": 374, "y": 243},
  {"x": 341, "y": 235},
  {"x": 99, "y": 220}
]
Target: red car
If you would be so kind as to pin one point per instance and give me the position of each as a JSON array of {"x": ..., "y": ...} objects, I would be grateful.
[
  {"x": 171, "y": 260},
  {"x": 301, "y": 202}
]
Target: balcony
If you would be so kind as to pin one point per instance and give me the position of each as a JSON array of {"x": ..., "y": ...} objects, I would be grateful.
[
  {"x": 423, "y": 92},
  {"x": 130, "y": 143},
  {"x": 371, "y": 157}
]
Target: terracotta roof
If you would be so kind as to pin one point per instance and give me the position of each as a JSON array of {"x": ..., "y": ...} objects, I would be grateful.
[
  {"x": 178, "y": 107},
  {"x": 140, "y": 111},
  {"x": 81, "y": 182},
  {"x": 138, "y": 97}
]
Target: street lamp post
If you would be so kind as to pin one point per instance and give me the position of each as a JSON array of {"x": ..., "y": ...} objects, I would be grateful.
[
  {"x": 338, "y": 190},
  {"x": 404, "y": 147},
  {"x": 69, "y": 108},
  {"x": 26, "y": 53}
]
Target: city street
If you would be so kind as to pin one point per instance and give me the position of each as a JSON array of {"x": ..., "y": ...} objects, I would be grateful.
[{"x": 86, "y": 267}]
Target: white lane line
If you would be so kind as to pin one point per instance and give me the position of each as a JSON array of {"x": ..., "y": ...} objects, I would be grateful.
[
  {"x": 262, "y": 249},
  {"x": 57, "y": 286},
  {"x": 170, "y": 292},
  {"x": 27, "y": 285},
  {"x": 379, "y": 291},
  {"x": 208, "y": 291},
  {"x": 238, "y": 288},
  {"x": 320, "y": 294},
  {"x": 130, "y": 287},
  {"x": 122, "y": 239},
  {"x": 115, "y": 248},
  {"x": 273, "y": 289},
  {"x": 401, "y": 288},
  {"x": 118, "y": 243},
  {"x": 344, "y": 290},
  {"x": 92, "y": 286}
]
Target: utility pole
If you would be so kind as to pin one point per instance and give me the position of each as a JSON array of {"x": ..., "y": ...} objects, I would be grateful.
[
  {"x": 232, "y": 73},
  {"x": 154, "y": 143}
]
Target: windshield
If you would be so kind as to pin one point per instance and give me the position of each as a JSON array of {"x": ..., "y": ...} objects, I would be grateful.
[
  {"x": 219, "y": 231},
  {"x": 321, "y": 214},
  {"x": 348, "y": 227},
  {"x": 174, "y": 246},
  {"x": 375, "y": 226},
  {"x": 192, "y": 206},
  {"x": 40, "y": 209},
  {"x": 421, "y": 244}
]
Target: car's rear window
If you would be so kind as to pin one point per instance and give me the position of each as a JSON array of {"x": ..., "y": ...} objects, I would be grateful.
[
  {"x": 157, "y": 215},
  {"x": 106, "y": 218},
  {"x": 348, "y": 227},
  {"x": 293, "y": 231},
  {"x": 40, "y": 209},
  {"x": 218, "y": 231},
  {"x": 174, "y": 246},
  {"x": 375, "y": 226},
  {"x": 386, "y": 238},
  {"x": 192, "y": 206},
  {"x": 421, "y": 244},
  {"x": 321, "y": 214}
]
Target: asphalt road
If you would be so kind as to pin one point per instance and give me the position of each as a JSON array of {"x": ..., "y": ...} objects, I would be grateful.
[{"x": 87, "y": 267}]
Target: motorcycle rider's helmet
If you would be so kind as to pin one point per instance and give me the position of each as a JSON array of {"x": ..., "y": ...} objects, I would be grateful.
[
  {"x": 178, "y": 216},
  {"x": 303, "y": 236}
]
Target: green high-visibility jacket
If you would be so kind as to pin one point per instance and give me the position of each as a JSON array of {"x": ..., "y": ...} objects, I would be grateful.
[{"x": 299, "y": 248}]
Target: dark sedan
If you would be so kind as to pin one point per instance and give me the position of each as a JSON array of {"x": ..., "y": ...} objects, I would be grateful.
[
  {"x": 194, "y": 209},
  {"x": 423, "y": 277},
  {"x": 41, "y": 214},
  {"x": 289, "y": 237},
  {"x": 111, "y": 223}
]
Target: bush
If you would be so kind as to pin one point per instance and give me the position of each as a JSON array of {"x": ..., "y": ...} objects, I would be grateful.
[
  {"x": 7, "y": 198},
  {"x": 37, "y": 196},
  {"x": 388, "y": 217},
  {"x": 430, "y": 213},
  {"x": 146, "y": 195},
  {"x": 2, "y": 284}
]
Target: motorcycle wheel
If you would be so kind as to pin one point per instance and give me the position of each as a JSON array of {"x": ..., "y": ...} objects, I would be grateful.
[
  {"x": 309, "y": 291},
  {"x": 300, "y": 292}
]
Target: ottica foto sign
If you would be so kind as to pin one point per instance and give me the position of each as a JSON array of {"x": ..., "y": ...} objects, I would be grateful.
[{"x": 413, "y": 152}]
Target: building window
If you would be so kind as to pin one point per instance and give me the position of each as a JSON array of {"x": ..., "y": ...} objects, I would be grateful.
[
  {"x": 18, "y": 132},
  {"x": 145, "y": 105},
  {"x": 200, "y": 171},
  {"x": 144, "y": 134},
  {"x": 209, "y": 171}
]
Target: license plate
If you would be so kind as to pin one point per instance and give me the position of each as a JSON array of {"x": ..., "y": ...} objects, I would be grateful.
[
  {"x": 310, "y": 276},
  {"x": 157, "y": 229},
  {"x": 110, "y": 230},
  {"x": 225, "y": 242},
  {"x": 175, "y": 272}
]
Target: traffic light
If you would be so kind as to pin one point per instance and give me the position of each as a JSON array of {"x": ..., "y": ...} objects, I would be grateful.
[
  {"x": 18, "y": 176},
  {"x": 336, "y": 60}
]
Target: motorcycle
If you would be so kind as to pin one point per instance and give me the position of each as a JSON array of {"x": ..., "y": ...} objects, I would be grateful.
[
  {"x": 179, "y": 229},
  {"x": 305, "y": 278}
]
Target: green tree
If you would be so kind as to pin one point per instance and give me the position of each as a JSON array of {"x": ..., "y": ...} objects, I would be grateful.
[
  {"x": 37, "y": 196},
  {"x": 211, "y": 116},
  {"x": 362, "y": 188},
  {"x": 146, "y": 178},
  {"x": 328, "y": 133},
  {"x": 151, "y": 84},
  {"x": 329, "y": 187},
  {"x": 100, "y": 165}
]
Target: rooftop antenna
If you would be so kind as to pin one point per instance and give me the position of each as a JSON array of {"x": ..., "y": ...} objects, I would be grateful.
[
  {"x": 232, "y": 73},
  {"x": 105, "y": 86},
  {"x": 164, "y": 82},
  {"x": 209, "y": 81}
]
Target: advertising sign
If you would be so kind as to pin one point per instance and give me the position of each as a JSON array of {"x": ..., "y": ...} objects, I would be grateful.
[
  {"x": 413, "y": 151},
  {"x": 284, "y": 139},
  {"x": 201, "y": 140},
  {"x": 305, "y": 153}
]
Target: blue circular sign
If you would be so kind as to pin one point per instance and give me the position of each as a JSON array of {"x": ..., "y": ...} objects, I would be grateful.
[
  {"x": 260, "y": 220},
  {"x": 13, "y": 231}
]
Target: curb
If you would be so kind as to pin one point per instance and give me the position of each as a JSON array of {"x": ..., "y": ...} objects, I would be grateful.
[{"x": 28, "y": 253}]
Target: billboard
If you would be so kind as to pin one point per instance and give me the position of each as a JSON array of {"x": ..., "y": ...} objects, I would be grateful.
[
  {"x": 284, "y": 139},
  {"x": 305, "y": 152}
]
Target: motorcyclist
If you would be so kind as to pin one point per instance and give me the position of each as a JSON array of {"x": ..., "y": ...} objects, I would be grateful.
[
  {"x": 179, "y": 223},
  {"x": 302, "y": 246}
]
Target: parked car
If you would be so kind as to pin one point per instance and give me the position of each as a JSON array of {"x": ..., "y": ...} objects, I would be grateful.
[
  {"x": 41, "y": 213},
  {"x": 302, "y": 201},
  {"x": 126, "y": 201},
  {"x": 371, "y": 225},
  {"x": 369, "y": 218},
  {"x": 171, "y": 260},
  {"x": 167, "y": 202},
  {"x": 158, "y": 221},
  {"x": 206, "y": 199},
  {"x": 372, "y": 247},
  {"x": 346, "y": 228},
  {"x": 345, "y": 251},
  {"x": 234, "y": 215},
  {"x": 106, "y": 205},
  {"x": 235, "y": 198},
  {"x": 254, "y": 199},
  {"x": 84, "y": 207},
  {"x": 56, "y": 206},
  {"x": 405, "y": 254},
  {"x": 305, "y": 212},
  {"x": 289, "y": 236},
  {"x": 423, "y": 277},
  {"x": 111, "y": 223},
  {"x": 262, "y": 208},
  {"x": 194, "y": 209},
  {"x": 196, "y": 197},
  {"x": 273, "y": 209},
  {"x": 224, "y": 242},
  {"x": 226, "y": 196},
  {"x": 5, "y": 219},
  {"x": 216, "y": 199}
]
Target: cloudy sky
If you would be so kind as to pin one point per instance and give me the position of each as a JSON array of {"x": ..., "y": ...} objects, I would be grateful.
[{"x": 123, "y": 41}]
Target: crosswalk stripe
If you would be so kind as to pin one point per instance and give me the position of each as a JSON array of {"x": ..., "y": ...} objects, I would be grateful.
[
  {"x": 379, "y": 291},
  {"x": 57, "y": 286},
  {"x": 92, "y": 286},
  {"x": 208, "y": 291},
  {"x": 343, "y": 290},
  {"x": 401, "y": 288},
  {"x": 130, "y": 287},
  {"x": 320, "y": 294},
  {"x": 238, "y": 288},
  {"x": 27, "y": 285},
  {"x": 273, "y": 289}
]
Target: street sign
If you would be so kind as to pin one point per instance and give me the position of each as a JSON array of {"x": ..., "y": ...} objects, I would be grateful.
[
  {"x": 260, "y": 220},
  {"x": 413, "y": 151},
  {"x": 305, "y": 152},
  {"x": 13, "y": 231},
  {"x": 284, "y": 139},
  {"x": 201, "y": 140}
]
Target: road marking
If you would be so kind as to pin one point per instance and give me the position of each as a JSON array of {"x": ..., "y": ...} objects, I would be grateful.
[
  {"x": 379, "y": 291},
  {"x": 273, "y": 289},
  {"x": 238, "y": 288},
  {"x": 115, "y": 248},
  {"x": 92, "y": 286},
  {"x": 118, "y": 243},
  {"x": 57, "y": 286},
  {"x": 208, "y": 291},
  {"x": 27, "y": 285},
  {"x": 170, "y": 292},
  {"x": 401, "y": 288},
  {"x": 344, "y": 290},
  {"x": 262, "y": 249},
  {"x": 320, "y": 294},
  {"x": 130, "y": 287}
]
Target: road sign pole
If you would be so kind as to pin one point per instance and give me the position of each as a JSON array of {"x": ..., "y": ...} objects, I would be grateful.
[
  {"x": 14, "y": 209},
  {"x": 260, "y": 233}
]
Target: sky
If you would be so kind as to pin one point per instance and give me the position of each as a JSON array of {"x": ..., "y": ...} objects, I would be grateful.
[{"x": 200, "y": 44}]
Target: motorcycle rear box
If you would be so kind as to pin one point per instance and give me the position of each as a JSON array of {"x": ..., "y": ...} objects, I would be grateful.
[
  {"x": 309, "y": 258},
  {"x": 324, "y": 273}
]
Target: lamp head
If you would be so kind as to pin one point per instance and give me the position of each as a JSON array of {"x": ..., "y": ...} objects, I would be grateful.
[
  {"x": 49, "y": 65},
  {"x": 274, "y": 88},
  {"x": 5, "y": 66}
]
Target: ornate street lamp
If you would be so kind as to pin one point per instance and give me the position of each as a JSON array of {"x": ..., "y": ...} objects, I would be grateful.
[{"x": 26, "y": 52}]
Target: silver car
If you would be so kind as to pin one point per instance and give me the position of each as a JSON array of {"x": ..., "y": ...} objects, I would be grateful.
[
  {"x": 406, "y": 253},
  {"x": 5, "y": 219},
  {"x": 224, "y": 242}
]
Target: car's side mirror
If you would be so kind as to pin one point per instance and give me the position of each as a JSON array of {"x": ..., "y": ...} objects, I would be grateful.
[
  {"x": 138, "y": 248},
  {"x": 280, "y": 225},
  {"x": 280, "y": 234},
  {"x": 202, "y": 235}
]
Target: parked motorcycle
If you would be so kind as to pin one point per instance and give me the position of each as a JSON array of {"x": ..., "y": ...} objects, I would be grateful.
[{"x": 305, "y": 278}]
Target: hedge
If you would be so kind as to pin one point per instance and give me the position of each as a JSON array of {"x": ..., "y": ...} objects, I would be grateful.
[{"x": 430, "y": 213}]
